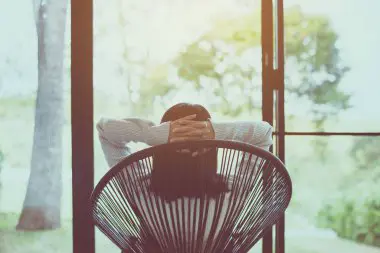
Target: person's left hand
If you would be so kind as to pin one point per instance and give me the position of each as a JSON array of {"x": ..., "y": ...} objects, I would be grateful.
[{"x": 187, "y": 130}]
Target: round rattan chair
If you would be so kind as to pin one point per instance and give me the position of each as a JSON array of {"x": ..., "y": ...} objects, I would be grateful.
[{"x": 138, "y": 219}]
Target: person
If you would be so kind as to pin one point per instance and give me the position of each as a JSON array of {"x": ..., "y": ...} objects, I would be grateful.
[
  {"x": 116, "y": 134},
  {"x": 192, "y": 172},
  {"x": 180, "y": 123}
]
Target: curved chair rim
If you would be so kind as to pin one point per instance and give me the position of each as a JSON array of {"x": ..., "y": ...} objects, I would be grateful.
[{"x": 241, "y": 146}]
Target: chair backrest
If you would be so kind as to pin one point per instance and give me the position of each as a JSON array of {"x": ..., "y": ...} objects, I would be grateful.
[{"x": 133, "y": 216}]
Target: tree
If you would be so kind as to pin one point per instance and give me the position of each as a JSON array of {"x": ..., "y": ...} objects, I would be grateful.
[
  {"x": 223, "y": 57},
  {"x": 366, "y": 157},
  {"x": 42, "y": 204},
  {"x": 130, "y": 67},
  {"x": 366, "y": 153},
  {"x": 354, "y": 213}
]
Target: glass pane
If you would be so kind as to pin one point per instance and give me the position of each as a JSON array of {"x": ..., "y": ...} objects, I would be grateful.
[
  {"x": 208, "y": 53},
  {"x": 335, "y": 203},
  {"x": 330, "y": 66},
  {"x": 35, "y": 142},
  {"x": 205, "y": 52}
]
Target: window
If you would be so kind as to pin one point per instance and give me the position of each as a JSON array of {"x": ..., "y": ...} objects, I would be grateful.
[
  {"x": 329, "y": 137},
  {"x": 312, "y": 98},
  {"x": 198, "y": 52},
  {"x": 330, "y": 81},
  {"x": 335, "y": 180}
]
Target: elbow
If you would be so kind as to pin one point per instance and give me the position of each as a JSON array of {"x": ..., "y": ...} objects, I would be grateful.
[
  {"x": 101, "y": 126},
  {"x": 267, "y": 138}
]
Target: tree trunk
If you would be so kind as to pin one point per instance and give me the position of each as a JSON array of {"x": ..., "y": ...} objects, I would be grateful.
[{"x": 42, "y": 204}]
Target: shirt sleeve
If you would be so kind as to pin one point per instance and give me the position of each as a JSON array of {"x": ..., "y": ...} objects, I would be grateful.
[
  {"x": 114, "y": 136},
  {"x": 257, "y": 133}
]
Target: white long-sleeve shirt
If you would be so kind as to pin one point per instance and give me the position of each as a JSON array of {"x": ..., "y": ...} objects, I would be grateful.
[{"x": 115, "y": 135}]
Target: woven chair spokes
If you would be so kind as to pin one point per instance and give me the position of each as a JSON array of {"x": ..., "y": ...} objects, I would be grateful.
[{"x": 138, "y": 219}]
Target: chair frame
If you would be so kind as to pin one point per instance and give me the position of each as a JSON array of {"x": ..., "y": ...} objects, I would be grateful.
[{"x": 219, "y": 144}]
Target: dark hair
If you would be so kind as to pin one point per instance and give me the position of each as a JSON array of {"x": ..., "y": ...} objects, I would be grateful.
[
  {"x": 184, "y": 109},
  {"x": 177, "y": 174}
]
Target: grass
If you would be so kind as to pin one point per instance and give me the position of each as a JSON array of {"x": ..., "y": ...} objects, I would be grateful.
[
  {"x": 60, "y": 241},
  {"x": 32, "y": 242}
]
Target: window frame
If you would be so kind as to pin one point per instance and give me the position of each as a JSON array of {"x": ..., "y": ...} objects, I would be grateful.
[
  {"x": 273, "y": 111},
  {"x": 82, "y": 123}
]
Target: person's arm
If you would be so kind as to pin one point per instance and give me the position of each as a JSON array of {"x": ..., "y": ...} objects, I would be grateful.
[
  {"x": 114, "y": 136},
  {"x": 257, "y": 133}
]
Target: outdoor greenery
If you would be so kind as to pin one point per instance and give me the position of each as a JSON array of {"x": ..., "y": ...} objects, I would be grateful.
[
  {"x": 220, "y": 64},
  {"x": 355, "y": 214},
  {"x": 354, "y": 217},
  {"x": 2, "y": 158},
  {"x": 1, "y": 164}
]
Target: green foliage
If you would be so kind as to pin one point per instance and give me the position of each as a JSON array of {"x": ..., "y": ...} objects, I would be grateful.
[
  {"x": 1, "y": 164},
  {"x": 366, "y": 156},
  {"x": 357, "y": 215},
  {"x": 366, "y": 153},
  {"x": 321, "y": 148},
  {"x": 223, "y": 56},
  {"x": 354, "y": 218},
  {"x": 310, "y": 44},
  {"x": 17, "y": 106},
  {"x": 7, "y": 220},
  {"x": 2, "y": 158}
]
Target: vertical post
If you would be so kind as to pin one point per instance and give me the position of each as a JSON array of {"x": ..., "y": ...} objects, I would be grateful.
[
  {"x": 267, "y": 59},
  {"x": 82, "y": 124},
  {"x": 280, "y": 108},
  {"x": 280, "y": 77},
  {"x": 267, "y": 84}
]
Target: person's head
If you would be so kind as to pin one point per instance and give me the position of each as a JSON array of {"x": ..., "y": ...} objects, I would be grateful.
[
  {"x": 184, "y": 109},
  {"x": 181, "y": 110},
  {"x": 180, "y": 174}
]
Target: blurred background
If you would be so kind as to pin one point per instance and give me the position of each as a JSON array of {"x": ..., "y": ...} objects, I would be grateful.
[{"x": 150, "y": 54}]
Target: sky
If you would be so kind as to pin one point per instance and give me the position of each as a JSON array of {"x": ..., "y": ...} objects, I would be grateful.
[{"x": 355, "y": 21}]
